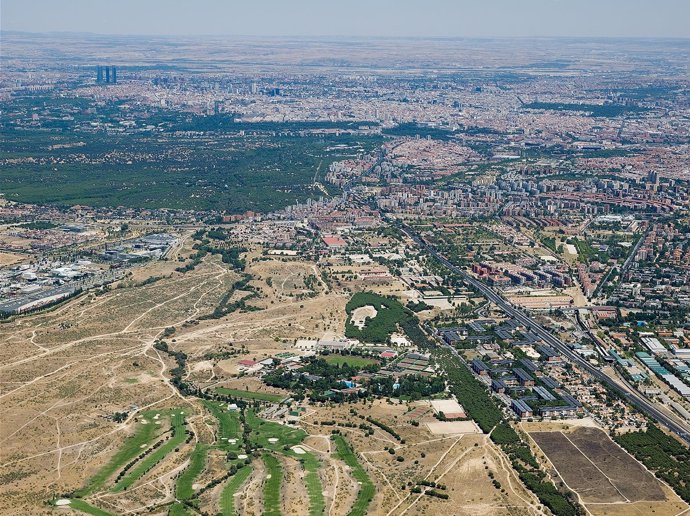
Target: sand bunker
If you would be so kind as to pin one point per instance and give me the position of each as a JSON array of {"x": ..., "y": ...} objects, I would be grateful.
[{"x": 298, "y": 450}]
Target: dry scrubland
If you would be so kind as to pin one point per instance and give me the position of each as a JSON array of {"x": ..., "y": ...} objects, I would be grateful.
[
  {"x": 462, "y": 462},
  {"x": 65, "y": 371}
]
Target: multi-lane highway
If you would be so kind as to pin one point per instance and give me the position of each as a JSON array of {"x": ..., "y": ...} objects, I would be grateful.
[{"x": 631, "y": 396}]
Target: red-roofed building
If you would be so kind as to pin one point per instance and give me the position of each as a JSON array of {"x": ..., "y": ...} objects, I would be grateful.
[{"x": 334, "y": 241}]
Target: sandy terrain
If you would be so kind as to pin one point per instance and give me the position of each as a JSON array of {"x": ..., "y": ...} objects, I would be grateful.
[
  {"x": 452, "y": 427},
  {"x": 359, "y": 315}
]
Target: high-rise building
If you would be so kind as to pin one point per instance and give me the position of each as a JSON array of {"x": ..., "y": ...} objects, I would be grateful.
[
  {"x": 114, "y": 75},
  {"x": 107, "y": 74},
  {"x": 99, "y": 74}
]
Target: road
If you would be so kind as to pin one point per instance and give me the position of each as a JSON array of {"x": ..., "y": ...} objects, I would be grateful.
[{"x": 631, "y": 397}]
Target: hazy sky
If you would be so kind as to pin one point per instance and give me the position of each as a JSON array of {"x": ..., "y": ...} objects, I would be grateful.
[{"x": 454, "y": 18}]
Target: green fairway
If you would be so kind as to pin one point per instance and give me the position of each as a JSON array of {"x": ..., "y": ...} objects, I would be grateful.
[
  {"x": 229, "y": 425},
  {"x": 351, "y": 360},
  {"x": 82, "y": 506},
  {"x": 251, "y": 395},
  {"x": 132, "y": 447},
  {"x": 272, "y": 485},
  {"x": 366, "y": 488},
  {"x": 178, "y": 509},
  {"x": 227, "y": 498},
  {"x": 197, "y": 461},
  {"x": 317, "y": 505},
  {"x": 262, "y": 431},
  {"x": 179, "y": 434}
]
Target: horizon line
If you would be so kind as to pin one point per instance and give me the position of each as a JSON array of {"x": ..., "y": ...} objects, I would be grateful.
[{"x": 346, "y": 36}]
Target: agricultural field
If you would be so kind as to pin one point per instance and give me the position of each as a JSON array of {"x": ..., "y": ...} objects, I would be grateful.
[{"x": 605, "y": 477}]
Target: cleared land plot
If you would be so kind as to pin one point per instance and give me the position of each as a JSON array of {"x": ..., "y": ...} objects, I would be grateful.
[
  {"x": 598, "y": 471},
  {"x": 453, "y": 427},
  {"x": 576, "y": 470},
  {"x": 361, "y": 314},
  {"x": 629, "y": 476}
]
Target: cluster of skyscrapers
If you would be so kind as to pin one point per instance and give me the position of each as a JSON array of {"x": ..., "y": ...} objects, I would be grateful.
[{"x": 106, "y": 75}]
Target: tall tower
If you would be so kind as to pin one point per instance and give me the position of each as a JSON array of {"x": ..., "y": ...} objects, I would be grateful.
[
  {"x": 99, "y": 74},
  {"x": 114, "y": 75},
  {"x": 107, "y": 74}
]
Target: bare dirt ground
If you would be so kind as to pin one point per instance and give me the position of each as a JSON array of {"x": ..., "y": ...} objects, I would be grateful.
[
  {"x": 66, "y": 371},
  {"x": 10, "y": 259},
  {"x": 293, "y": 491},
  {"x": 606, "y": 479},
  {"x": 462, "y": 462}
]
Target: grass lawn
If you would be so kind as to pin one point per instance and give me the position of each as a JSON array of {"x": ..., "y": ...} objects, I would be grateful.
[
  {"x": 366, "y": 489},
  {"x": 82, "y": 506},
  {"x": 272, "y": 485},
  {"x": 352, "y": 360},
  {"x": 251, "y": 395},
  {"x": 227, "y": 498},
  {"x": 197, "y": 461},
  {"x": 148, "y": 462},
  {"x": 585, "y": 253},
  {"x": 132, "y": 447}
]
